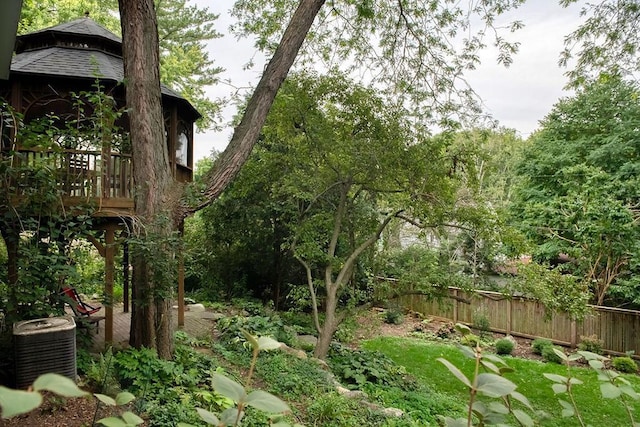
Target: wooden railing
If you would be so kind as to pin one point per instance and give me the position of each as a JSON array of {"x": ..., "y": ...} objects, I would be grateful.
[{"x": 84, "y": 174}]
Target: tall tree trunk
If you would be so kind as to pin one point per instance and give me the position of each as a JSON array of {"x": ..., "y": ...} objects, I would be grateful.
[
  {"x": 151, "y": 323},
  {"x": 330, "y": 325}
]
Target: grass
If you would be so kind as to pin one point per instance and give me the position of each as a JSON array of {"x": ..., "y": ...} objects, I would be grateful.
[{"x": 420, "y": 359}]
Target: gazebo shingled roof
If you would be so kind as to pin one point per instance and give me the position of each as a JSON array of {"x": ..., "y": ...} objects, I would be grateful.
[{"x": 77, "y": 49}]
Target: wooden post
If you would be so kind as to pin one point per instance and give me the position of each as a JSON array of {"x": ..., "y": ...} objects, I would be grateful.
[
  {"x": 455, "y": 306},
  {"x": 181, "y": 290},
  {"x": 574, "y": 334},
  {"x": 181, "y": 282},
  {"x": 109, "y": 273},
  {"x": 125, "y": 275},
  {"x": 509, "y": 315}
]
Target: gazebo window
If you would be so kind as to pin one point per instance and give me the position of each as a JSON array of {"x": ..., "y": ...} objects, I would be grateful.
[{"x": 182, "y": 147}]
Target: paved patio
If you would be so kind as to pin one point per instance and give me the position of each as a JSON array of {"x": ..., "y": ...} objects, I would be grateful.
[{"x": 196, "y": 323}]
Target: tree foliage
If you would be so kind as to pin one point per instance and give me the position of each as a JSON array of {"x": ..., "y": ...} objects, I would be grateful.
[
  {"x": 579, "y": 190},
  {"x": 607, "y": 41},
  {"x": 415, "y": 51}
]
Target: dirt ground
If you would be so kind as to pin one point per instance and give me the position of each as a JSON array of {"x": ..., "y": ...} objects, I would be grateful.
[{"x": 81, "y": 412}]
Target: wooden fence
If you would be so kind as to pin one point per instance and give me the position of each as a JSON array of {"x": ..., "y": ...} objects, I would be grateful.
[{"x": 619, "y": 329}]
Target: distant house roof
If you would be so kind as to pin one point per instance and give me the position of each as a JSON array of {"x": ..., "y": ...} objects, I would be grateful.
[{"x": 77, "y": 49}]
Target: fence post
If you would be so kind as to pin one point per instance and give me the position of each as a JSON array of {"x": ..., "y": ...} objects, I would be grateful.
[
  {"x": 509, "y": 316},
  {"x": 574, "y": 334},
  {"x": 455, "y": 306}
]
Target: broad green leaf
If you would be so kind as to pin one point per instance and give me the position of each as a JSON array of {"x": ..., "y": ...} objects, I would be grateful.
[
  {"x": 596, "y": 364},
  {"x": 575, "y": 357},
  {"x": 124, "y": 397},
  {"x": 455, "y": 371},
  {"x": 208, "y": 417},
  {"x": 560, "y": 354},
  {"x": 480, "y": 409},
  {"x": 559, "y": 388},
  {"x": 181, "y": 424},
  {"x": 460, "y": 422},
  {"x": 228, "y": 388},
  {"x": 498, "y": 407},
  {"x": 59, "y": 385},
  {"x": 567, "y": 409},
  {"x": 522, "y": 399},
  {"x": 16, "y": 402},
  {"x": 112, "y": 422},
  {"x": 462, "y": 329},
  {"x": 266, "y": 402},
  {"x": 251, "y": 339},
  {"x": 493, "y": 358},
  {"x": 609, "y": 391},
  {"x": 556, "y": 378},
  {"x": 490, "y": 366},
  {"x": 229, "y": 416},
  {"x": 523, "y": 418},
  {"x": 575, "y": 381},
  {"x": 629, "y": 391},
  {"x": 107, "y": 400},
  {"x": 494, "y": 385},
  {"x": 268, "y": 343},
  {"x": 131, "y": 418},
  {"x": 467, "y": 351},
  {"x": 591, "y": 356}
]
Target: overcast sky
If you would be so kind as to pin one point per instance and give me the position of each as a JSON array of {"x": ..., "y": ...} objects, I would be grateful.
[{"x": 518, "y": 96}]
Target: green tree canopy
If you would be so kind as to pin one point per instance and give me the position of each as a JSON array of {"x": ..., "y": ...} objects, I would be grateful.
[{"x": 578, "y": 194}]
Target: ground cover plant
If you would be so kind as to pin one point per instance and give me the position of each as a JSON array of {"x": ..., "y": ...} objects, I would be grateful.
[{"x": 420, "y": 359}]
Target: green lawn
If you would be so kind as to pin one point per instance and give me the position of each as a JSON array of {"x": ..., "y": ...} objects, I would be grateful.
[{"x": 420, "y": 359}]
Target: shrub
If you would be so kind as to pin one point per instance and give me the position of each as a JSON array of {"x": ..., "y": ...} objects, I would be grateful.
[
  {"x": 481, "y": 322},
  {"x": 624, "y": 364},
  {"x": 393, "y": 316},
  {"x": 548, "y": 355},
  {"x": 591, "y": 343},
  {"x": 504, "y": 346},
  {"x": 470, "y": 340},
  {"x": 540, "y": 344},
  {"x": 355, "y": 368}
]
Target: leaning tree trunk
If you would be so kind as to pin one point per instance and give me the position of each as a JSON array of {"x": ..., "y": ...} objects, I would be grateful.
[{"x": 151, "y": 318}]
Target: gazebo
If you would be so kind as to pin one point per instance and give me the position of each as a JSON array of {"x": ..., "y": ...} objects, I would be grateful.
[{"x": 49, "y": 67}]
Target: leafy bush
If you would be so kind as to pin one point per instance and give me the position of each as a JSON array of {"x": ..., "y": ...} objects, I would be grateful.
[
  {"x": 347, "y": 330},
  {"x": 292, "y": 378},
  {"x": 624, "y": 364},
  {"x": 548, "y": 355},
  {"x": 591, "y": 343},
  {"x": 481, "y": 321},
  {"x": 393, "y": 316},
  {"x": 267, "y": 326},
  {"x": 504, "y": 346},
  {"x": 470, "y": 340},
  {"x": 540, "y": 344},
  {"x": 357, "y": 367}
]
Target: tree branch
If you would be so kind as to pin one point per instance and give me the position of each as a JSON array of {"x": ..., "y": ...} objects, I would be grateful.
[{"x": 246, "y": 134}]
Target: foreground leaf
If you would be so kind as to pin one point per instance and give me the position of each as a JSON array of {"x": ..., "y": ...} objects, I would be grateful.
[
  {"x": 16, "y": 402},
  {"x": 228, "y": 388},
  {"x": 58, "y": 384},
  {"x": 494, "y": 385},
  {"x": 208, "y": 417},
  {"x": 266, "y": 402},
  {"x": 455, "y": 371}
]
